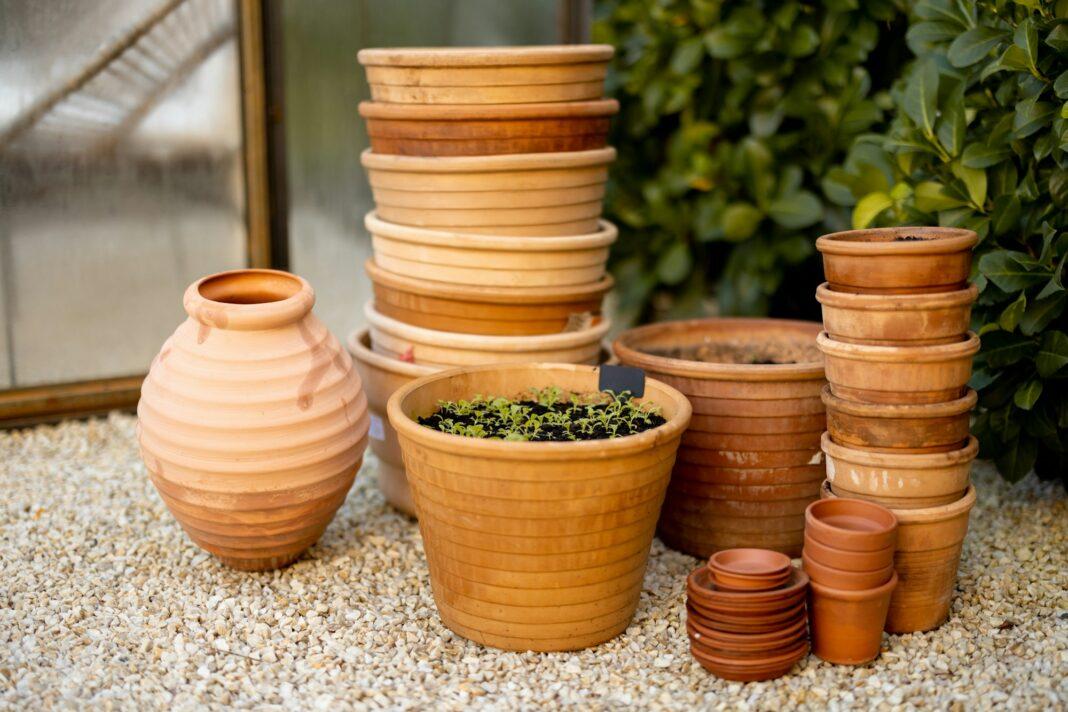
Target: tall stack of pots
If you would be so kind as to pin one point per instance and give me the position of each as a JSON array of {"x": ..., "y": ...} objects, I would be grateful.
[
  {"x": 898, "y": 354},
  {"x": 488, "y": 168}
]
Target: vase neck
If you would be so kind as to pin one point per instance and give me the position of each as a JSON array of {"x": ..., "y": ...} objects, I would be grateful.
[{"x": 249, "y": 299}]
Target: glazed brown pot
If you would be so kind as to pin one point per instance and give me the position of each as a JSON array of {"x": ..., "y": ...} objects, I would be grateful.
[
  {"x": 903, "y": 428},
  {"x": 845, "y": 579},
  {"x": 852, "y": 525},
  {"x": 896, "y": 320},
  {"x": 875, "y": 261},
  {"x": 899, "y": 374},
  {"x": 750, "y": 462},
  {"x": 491, "y": 311},
  {"x": 488, "y": 129},
  {"x": 846, "y": 559},
  {"x": 847, "y": 626}
]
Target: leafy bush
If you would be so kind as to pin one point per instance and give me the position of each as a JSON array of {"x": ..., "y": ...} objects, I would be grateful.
[
  {"x": 981, "y": 141},
  {"x": 732, "y": 112}
]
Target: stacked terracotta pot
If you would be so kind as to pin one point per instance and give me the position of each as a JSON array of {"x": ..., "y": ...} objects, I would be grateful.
[
  {"x": 488, "y": 168},
  {"x": 898, "y": 355},
  {"x": 746, "y": 616}
]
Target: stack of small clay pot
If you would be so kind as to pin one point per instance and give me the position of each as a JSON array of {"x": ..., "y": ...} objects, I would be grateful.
[
  {"x": 746, "y": 615},
  {"x": 898, "y": 356},
  {"x": 488, "y": 169}
]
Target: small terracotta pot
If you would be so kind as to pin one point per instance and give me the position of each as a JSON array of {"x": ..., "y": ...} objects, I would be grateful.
[
  {"x": 486, "y": 75},
  {"x": 749, "y": 569},
  {"x": 702, "y": 590},
  {"x": 492, "y": 311},
  {"x": 919, "y": 428},
  {"x": 899, "y": 374},
  {"x": 843, "y": 578},
  {"x": 851, "y": 525},
  {"x": 748, "y": 624},
  {"x": 908, "y": 481},
  {"x": 848, "y": 560},
  {"x": 896, "y": 320},
  {"x": 847, "y": 626},
  {"x": 875, "y": 261},
  {"x": 699, "y": 626},
  {"x": 748, "y": 650}
]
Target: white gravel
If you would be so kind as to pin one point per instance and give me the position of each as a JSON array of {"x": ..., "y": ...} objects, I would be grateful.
[{"x": 105, "y": 603}]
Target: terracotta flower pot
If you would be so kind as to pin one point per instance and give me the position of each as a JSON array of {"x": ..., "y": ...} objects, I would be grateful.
[
  {"x": 532, "y": 194},
  {"x": 878, "y": 261},
  {"x": 490, "y": 260},
  {"x": 847, "y": 626},
  {"x": 486, "y": 75},
  {"x": 902, "y": 428},
  {"x": 896, "y": 320},
  {"x": 492, "y": 311},
  {"x": 845, "y": 579},
  {"x": 487, "y": 129},
  {"x": 535, "y": 546},
  {"x": 750, "y": 463},
  {"x": 846, "y": 559},
  {"x": 851, "y": 525},
  {"x": 749, "y": 569},
  {"x": 899, "y": 374},
  {"x": 911, "y": 481},
  {"x": 252, "y": 421}
]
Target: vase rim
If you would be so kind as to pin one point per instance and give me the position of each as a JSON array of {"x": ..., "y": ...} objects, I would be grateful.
[{"x": 249, "y": 299}]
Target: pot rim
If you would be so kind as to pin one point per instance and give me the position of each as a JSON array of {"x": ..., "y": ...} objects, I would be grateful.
[
  {"x": 776, "y": 563},
  {"x": 729, "y": 637},
  {"x": 487, "y": 112},
  {"x": 896, "y": 302},
  {"x": 626, "y": 349},
  {"x": 500, "y": 449},
  {"x": 359, "y": 345},
  {"x": 966, "y": 348},
  {"x": 757, "y": 663},
  {"x": 961, "y": 405},
  {"x": 797, "y": 582},
  {"x": 808, "y": 560},
  {"x": 876, "y": 514},
  {"x": 487, "y": 164},
  {"x": 484, "y": 56},
  {"x": 249, "y": 316},
  {"x": 926, "y": 515},
  {"x": 605, "y": 236},
  {"x": 878, "y": 241},
  {"x": 910, "y": 460},
  {"x": 865, "y": 594}
]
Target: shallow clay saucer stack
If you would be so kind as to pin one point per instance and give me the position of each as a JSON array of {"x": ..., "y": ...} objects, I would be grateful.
[
  {"x": 746, "y": 616},
  {"x": 488, "y": 168},
  {"x": 898, "y": 355}
]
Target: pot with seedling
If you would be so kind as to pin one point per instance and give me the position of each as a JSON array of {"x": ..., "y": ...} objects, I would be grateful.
[{"x": 537, "y": 494}]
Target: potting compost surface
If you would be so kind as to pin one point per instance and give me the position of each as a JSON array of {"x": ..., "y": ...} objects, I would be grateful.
[{"x": 105, "y": 603}]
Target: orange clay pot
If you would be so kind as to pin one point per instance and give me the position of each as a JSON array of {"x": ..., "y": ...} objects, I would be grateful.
[
  {"x": 751, "y": 669},
  {"x": 847, "y": 626},
  {"x": 749, "y": 569},
  {"x": 252, "y": 421},
  {"x": 899, "y": 374},
  {"x": 851, "y": 525},
  {"x": 746, "y": 624},
  {"x": 845, "y": 559},
  {"x": 750, "y": 462},
  {"x": 896, "y": 320},
  {"x": 917, "y": 428},
  {"x": 873, "y": 261},
  {"x": 845, "y": 579},
  {"x": 534, "y": 546}
]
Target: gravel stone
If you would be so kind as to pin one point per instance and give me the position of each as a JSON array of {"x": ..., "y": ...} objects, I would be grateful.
[{"x": 105, "y": 603}]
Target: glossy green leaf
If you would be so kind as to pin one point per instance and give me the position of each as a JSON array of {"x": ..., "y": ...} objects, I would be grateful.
[
  {"x": 796, "y": 210},
  {"x": 920, "y": 100},
  {"x": 1042, "y": 312},
  {"x": 1052, "y": 354},
  {"x": 973, "y": 45},
  {"x": 1031, "y": 116},
  {"x": 1010, "y": 317},
  {"x": 1027, "y": 394},
  {"x": 869, "y": 207},
  {"x": 1026, "y": 38},
  {"x": 687, "y": 55},
  {"x": 1017, "y": 460},
  {"x": 932, "y": 197},
  {"x": 1002, "y": 348},
  {"x": 740, "y": 221},
  {"x": 1012, "y": 271},
  {"x": 974, "y": 180},
  {"x": 675, "y": 264}
]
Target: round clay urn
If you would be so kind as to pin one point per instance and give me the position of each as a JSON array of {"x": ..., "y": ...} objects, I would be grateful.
[{"x": 252, "y": 421}]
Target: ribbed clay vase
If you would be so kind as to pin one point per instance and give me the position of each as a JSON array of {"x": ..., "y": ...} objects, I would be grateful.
[
  {"x": 535, "y": 546},
  {"x": 252, "y": 420},
  {"x": 750, "y": 462}
]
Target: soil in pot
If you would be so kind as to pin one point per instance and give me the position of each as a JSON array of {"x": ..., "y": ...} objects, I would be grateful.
[{"x": 847, "y": 626}]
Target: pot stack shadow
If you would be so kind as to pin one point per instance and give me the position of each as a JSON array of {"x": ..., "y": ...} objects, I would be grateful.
[
  {"x": 488, "y": 169},
  {"x": 898, "y": 356}
]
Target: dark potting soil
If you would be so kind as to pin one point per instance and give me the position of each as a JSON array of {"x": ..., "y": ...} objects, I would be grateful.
[
  {"x": 750, "y": 352},
  {"x": 909, "y": 238}
]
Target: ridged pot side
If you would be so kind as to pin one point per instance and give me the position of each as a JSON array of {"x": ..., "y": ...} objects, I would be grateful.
[
  {"x": 750, "y": 461},
  {"x": 535, "y": 546},
  {"x": 252, "y": 420}
]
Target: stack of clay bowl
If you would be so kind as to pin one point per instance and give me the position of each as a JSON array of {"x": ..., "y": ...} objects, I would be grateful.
[
  {"x": 849, "y": 559},
  {"x": 898, "y": 354},
  {"x": 488, "y": 169},
  {"x": 745, "y": 614}
]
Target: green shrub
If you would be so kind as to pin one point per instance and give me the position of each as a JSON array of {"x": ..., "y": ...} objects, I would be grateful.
[{"x": 981, "y": 141}]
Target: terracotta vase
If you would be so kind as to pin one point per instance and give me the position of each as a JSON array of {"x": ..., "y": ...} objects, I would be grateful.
[
  {"x": 252, "y": 422},
  {"x": 535, "y": 546},
  {"x": 532, "y": 194},
  {"x": 896, "y": 320},
  {"x": 847, "y": 626},
  {"x": 902, "y": 428},
  {"x": 899, "y": 374},
  {"x": 491, "y": 311},
  {"x": 487, "y": 129},
  {"x": 490, "y": 260},
  {"x": 486, "y": 75},
  {"x": 749, "y": 463},
  {"x": 879, "y": 261},
  {"x": 909, "y": 481}
]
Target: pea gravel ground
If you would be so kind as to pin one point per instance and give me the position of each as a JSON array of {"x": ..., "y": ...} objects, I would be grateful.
[{"x": 104, "y": 603}]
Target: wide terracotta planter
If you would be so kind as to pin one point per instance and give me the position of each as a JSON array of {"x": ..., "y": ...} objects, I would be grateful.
[
  {"x": 750, "y": 462},
  {"x": 899, "y": 374},
  {"x": 490, "y": 260},
  {"x": 847, "y": 626},
  {"x": 492, "y": 311},
  {"x": 879, "y": 261},
  {"x": 901, "y": 428},
  {"x": 252, "y": 421},
  {"x": 535, "y": 546},
  {"x": 910, "y": 481},
  {"x": 486, "y": 75},
  {"x": 898, "y": 319},
  {"x": 487, "y": 129},
  {"x": 530, "y": 194}
]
